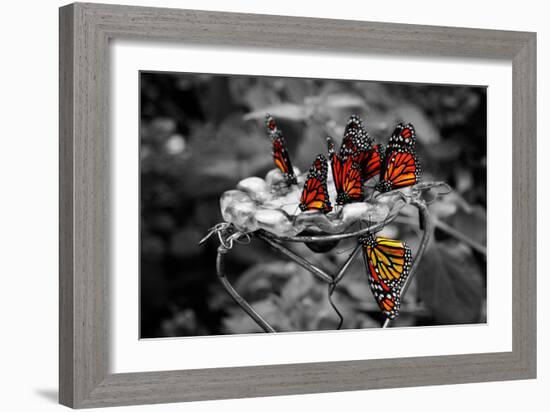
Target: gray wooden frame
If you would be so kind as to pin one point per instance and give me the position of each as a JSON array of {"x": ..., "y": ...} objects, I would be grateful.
[{"x": 85, "y": 31}]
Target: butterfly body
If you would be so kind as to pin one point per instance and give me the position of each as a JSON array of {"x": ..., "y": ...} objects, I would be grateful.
[
  {"x": 388, "y": 263},
  {"x": 400, "y": 167},
  {"x": 315, "y": 194},
  {"x": 279, "y": 151}
]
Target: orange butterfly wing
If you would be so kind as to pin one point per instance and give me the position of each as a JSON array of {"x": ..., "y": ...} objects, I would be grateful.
[
  {"x": 372, "y": 164},
  {"x": 281, "y": 158},
  {"x": 358, "y": 144},
  {"x": 336, "y": 165},
  {"x": 388, "y": 263},
  {"x": 387, "y": 299},
  {"x": 392, "y": 259},
  {"x": 352, "y": 185},
  {"x": 315, "y": 194},
  {"x": 347, "y": 177},
  {"x": 401, "y": 167}
]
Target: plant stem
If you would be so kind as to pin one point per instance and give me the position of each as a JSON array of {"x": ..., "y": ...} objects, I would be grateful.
[
  {"x": 425, "y": 224},
  {"x": 460, "y": 236}
]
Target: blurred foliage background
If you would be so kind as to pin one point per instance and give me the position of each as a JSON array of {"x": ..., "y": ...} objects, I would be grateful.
[{"x": 201, "y": 134}]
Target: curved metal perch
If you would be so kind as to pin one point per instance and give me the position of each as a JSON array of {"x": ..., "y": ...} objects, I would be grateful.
[
  {"x": 426, "y": 226},
  {"x": 220, "y": 269},
  {"x": 226, "y": 233},
  {"x": 331, "y": 288}
]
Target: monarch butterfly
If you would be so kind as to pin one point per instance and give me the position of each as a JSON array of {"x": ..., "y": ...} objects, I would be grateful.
[
  {"x": 346, "y": 165},
  {"x": 388, "y": 263},
  {"x": 401, "y": 167},
  {"x": 315, "y": 194},
  {"x": 356, "y": 141},
  {"x": 347, "y": 176},
  {"x": 279, "y": 151}
]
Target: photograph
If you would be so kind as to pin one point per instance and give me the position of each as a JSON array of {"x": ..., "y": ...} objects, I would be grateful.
[
  {"x": 268, "y": 206},
  {"x": 283, "y": 204}
]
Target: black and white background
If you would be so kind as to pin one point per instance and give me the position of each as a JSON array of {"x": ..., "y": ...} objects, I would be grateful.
[{"x": 200, "y": 134}]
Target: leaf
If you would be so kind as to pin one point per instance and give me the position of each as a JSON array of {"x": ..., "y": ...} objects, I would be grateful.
[
  {"x": 339, "y": 101},
  {"x": 313, "y": 140},
  {"x": 240, "y": 322},
  {"x": 152, "y": 248},
  {"x": 344, "y": 100},
  {"x": 445, "y": 150},
  {"x": 298, "y": 286},
  {"x": 472, "y": 223},
  {"x": 263, "y": 278},
  {"x": 464, "y": 180},
  {"x": 220, "y": 167},
  {"x": 443, "y": 208},
  {"x": 258, "y": 94},
  {"x": 426, "y": 132},
  {"x": 185, "y": 242},
  {"x": 159, "y": 129},
  {"x": 288, "y": 111},
  {"x": 451, "y": 284},
  {"x": 358, "y": 289}
]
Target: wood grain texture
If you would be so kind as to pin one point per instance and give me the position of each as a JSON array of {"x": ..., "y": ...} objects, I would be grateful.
[
  {"x": 524, "y": 124},
  {"x": 85, "y": 31},
  {"x": 84, "y": 160},
  {"x": 66, "y": 240}
]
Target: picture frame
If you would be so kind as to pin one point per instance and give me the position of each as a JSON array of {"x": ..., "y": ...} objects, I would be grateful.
[{"x": 84, "y": 353}]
